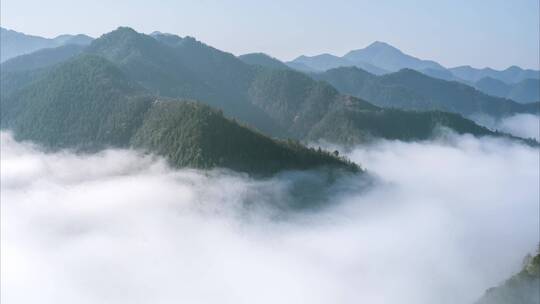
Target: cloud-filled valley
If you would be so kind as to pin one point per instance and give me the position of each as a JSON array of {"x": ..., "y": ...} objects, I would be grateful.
[
  {"x": 431, "y": 222},
  {"x": 521, "y": 125}
]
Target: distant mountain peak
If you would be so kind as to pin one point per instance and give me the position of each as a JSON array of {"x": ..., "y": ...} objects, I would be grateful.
[
  {"x": 381, "y": 44},
  {"x": 300, "y": 58},
  {"x": 119, "y": 35},
  {"x": 158, "y": 33},
  {"x": 387, "y": 57},
  {"x": 125, "y": 30},
  {"x": 514, "y": 68}
]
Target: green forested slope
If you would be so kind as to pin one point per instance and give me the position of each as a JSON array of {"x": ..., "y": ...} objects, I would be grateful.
[
  {"x": 522, "y": 288},
  {"x": 42, "y": 58},
  {"x": 282, "y": 103},
  {"x": 87, "y": 103},
  {"x": 263, "y": 60},
  {"x": 351, "y": 126},
  {"x": 193, "y": 134},
  {"x": 412, "y": 90},
  {"x": 171, "y": 66}
]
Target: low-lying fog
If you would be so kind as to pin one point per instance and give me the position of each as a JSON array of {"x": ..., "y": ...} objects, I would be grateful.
[
  {"x": 441, "y": 222},
  {"x": 522, "y": 125}
]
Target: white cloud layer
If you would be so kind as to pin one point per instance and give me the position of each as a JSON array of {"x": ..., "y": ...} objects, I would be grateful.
[
  {"x": 441, "y": 222},
  {"x": 521, "y": 125}
]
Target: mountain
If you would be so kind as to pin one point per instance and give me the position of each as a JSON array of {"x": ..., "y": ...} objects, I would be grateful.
[
  {"x": 352, "y": 125},
  {"x": 264, "y": 60},
  {"x": 300, "y": 67},
  {"x": 381, "y": 58},
  {"x": 283, "y": 103},
  {"x": 389, "y": 58},
  {"x": 522, "y": 288},
  {"x": 292, "y": 99},
  {"x": 510, "y": 75},
  {"x": 13, "y": 44},
  {"x": 493, "y": 87},
  {"x": 41, "y": 58},
  {"x": 175, "y": 67},
  {"x": 18, "y": 72},
  {"x": 525, "y": 91},
  {"x": 79, "y": 39},
  {"x": 314, "y": 110},
  {"x": 378, "y": 58},
  {"x": 412, "y": 90},
  {"x": 191, "y": 134},
  {"x": 323, "y": 62},
  {"x": 441, "y": 74},
  {"x": 88, "y": 103}
]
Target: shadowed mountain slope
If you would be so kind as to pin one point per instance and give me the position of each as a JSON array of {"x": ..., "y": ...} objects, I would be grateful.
[{"x": 89, "y": 104}]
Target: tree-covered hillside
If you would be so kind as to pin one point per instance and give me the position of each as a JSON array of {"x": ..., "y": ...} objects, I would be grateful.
[
  {"x": 263, "y": 60},
  {"x": 42, "y": 58},
  {"x": 412, "y": 90},
  {"x": 194, "y": 135},
  {"x": 314, "y": 110},
  {"x": 282, "y": 103},
  {"x": 527, "y": 90},
  {"x": 88, "y": 103},
  {"x": 513, "y": 74},
  {"x": 171, "y": 66},
  {"x": 84, "y": 102},
  {"x": 13, "y": 44},
  {"x": 355, "y": 126},
  {"x": 522, "y": 288}
]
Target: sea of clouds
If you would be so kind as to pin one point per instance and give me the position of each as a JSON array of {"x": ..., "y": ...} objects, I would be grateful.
[
  {"x": 521, "y": 125},
  {"x": 431, "y": 222}
]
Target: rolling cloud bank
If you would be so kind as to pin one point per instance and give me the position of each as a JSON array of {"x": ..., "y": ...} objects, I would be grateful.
[
  {"x": 431, "y": 222},
  {"x": 521, "y": 125}
]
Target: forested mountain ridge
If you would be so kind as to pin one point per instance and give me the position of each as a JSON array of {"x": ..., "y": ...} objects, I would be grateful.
[
  {"x": 209, "y": 140},
  {"x": 525, "y": 91},
  {"x": 175, "y": 67},
  {"x": 42, "y": 58},
  {"x": 381, "y": 58},
  {"x": 389, "y": 58},
  {"x": 323, "y": 62},
  {"x": 263, "y": 60},
  {"x": 355, "y": 126},
  {"x": 412, "y": 90},
  {"x": 13, "y": 44},
  {"x": 510, "y": 75},
  {"x": 87, "y": 103},
  {"x": 279, "y": 102}
]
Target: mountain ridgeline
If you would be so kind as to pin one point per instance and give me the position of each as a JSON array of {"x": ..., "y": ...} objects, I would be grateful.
[
  {"x": 525, "y": 91},
  {"x": 129, "y": 89},
  {"x": 263, "y": 60},
  {"x": 411, "y": 90},
  {"x": 379, "y": 58},
  {"x": 13, "y": 44},
  {"x": 87, "y": 103}
]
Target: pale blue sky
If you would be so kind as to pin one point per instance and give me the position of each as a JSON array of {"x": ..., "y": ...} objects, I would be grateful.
[{"x": 495, "y": 33}]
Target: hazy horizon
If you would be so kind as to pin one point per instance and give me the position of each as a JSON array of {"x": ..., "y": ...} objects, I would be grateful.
[{"x": 506, "y": 35}]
